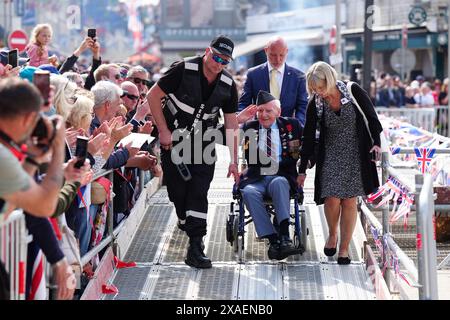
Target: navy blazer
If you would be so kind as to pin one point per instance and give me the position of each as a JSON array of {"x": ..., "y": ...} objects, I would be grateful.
[
  {"x": 290, "y": 136},
  {"x": 293, "y": 96}
]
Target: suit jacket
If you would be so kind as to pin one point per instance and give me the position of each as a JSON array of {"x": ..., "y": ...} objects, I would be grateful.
[
  {"x": 293, "y": 96},
  {"x": 290, "y": 134}
]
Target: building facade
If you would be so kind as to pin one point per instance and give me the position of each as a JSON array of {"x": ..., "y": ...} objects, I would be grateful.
[{"x": 426, "y": 50}]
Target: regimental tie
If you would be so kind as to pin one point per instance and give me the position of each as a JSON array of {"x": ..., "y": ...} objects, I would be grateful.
[
  {"x": 274, "y": 88},
  {"x": 269, "y": 143}
]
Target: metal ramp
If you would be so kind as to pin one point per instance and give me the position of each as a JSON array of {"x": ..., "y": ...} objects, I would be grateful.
[{"x": 159, "y": 249}]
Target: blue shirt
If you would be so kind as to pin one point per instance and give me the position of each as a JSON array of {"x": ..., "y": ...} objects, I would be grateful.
[{"x": 276, "y": 142}]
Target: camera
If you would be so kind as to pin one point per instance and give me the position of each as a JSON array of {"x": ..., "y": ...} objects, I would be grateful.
[{"x": 41, "y": 132}]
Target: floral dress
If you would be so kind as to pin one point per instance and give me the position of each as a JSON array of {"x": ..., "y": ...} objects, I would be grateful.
[{"x": 341, "y": 171}]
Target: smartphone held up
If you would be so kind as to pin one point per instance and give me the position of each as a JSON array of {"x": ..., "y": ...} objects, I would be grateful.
[
  {"x": 13, "y": 58},
  {"x": 41, "y": 80},
  {"x": 81, "y": 151},
  {"x": 92, "y": 33}
]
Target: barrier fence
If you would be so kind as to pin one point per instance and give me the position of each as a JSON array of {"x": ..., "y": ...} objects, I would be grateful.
[
  {"x": 14, "y": 240},
  {"x": 424, "y": 276},
  {"x": 433, "y": 119}
]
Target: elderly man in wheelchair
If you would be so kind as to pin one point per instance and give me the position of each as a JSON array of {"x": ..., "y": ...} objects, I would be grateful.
[{"x": 271, "y": 147}]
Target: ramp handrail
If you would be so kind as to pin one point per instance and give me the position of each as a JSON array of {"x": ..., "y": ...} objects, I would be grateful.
[{"x": 425, "y": 275}]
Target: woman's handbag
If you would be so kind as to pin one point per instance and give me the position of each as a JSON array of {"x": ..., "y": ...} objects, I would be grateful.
[
  {"x": 70, "y": 247},
  {"x": 99, "y": 190}
]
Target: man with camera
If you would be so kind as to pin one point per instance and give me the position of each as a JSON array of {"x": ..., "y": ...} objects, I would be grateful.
[
  {"x": 27, "y": 139},
  {"x": 20, "y": 104}
]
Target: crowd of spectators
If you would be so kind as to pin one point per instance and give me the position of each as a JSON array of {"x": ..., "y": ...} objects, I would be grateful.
[
  {"x": 390, "y": 91},
  {"x": 103, "y": 103}
]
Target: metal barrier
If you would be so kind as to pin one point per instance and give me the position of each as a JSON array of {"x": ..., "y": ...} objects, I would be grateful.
[
  {"x": 433, "y": 119},
  {"x": 442, "y": 119},
  {"x": 110, "y": 240},
  {"x": 425, "y": 276},
  {"x": 421, "y": 117},
  {"x": 14, "y": 241},
  {"x": 426, "y": 240}
]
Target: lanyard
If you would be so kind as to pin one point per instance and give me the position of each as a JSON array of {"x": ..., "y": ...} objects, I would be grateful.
[{"x": 20, "y": 152}]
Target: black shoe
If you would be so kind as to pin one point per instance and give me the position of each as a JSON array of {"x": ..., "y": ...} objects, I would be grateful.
[
  {"x": 274, "y": 251},
  {"x": 287, "y": 248},
  {"x": 195, "y": 256},
  {"x": 329, "y": 252},
  {"x": 343, "y": 260}
]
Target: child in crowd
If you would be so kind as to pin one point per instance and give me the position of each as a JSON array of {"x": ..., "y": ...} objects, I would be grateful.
[{"x": 37, "y": 48}]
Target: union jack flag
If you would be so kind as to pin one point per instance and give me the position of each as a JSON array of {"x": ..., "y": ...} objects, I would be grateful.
[
  {"x": 395, "y": 150},
  {"x": 36, "y": 284},
  {"x": 424, "y": 157}
]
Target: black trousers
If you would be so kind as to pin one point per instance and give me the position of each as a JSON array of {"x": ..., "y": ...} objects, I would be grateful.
[{"x": 189, "y": 197}]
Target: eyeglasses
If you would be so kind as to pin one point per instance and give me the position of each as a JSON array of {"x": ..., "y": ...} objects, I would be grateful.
[
  {"x": 220, "y": 60},
  {"x": 130, "y": 96},
  {"x": 143, "y": 81}
]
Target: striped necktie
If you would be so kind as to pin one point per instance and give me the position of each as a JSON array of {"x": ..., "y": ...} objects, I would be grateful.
[{"x": 269, "y": 143}]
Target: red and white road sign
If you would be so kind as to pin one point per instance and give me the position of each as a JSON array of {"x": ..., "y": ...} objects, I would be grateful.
[
  {"x": 18, "y": 40},
  {"x": 333, "y": 49}
]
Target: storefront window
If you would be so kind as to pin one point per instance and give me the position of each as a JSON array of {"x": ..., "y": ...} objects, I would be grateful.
[
  {"x": 174, "y": 13},
  {"x": 201, "y": 14}
]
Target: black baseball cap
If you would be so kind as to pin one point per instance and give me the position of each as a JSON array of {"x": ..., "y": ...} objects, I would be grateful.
[{"x": 223, "y": 45}]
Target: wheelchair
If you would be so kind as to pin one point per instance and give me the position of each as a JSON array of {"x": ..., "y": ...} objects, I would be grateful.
[{"x": 237, "y": 220}]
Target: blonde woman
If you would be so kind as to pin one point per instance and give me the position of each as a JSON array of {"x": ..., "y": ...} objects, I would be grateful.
[
  {"x": 64, "y": 91},
  {"x": 346, "y": 155},
  {"x": 79, "y": 120},
  {"x": 37, "y": 48}
]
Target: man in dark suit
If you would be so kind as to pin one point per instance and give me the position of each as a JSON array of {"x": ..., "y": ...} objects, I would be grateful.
[
  {"x": 284, "y": 82},
  {"x": 271, "y": 148}
]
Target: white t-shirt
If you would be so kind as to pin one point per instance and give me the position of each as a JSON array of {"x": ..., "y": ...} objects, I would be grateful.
[{"x": 424, "y": 100}]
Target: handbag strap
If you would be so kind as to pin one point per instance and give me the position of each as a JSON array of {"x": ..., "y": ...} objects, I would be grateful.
[{"x": 349, "y": 88}]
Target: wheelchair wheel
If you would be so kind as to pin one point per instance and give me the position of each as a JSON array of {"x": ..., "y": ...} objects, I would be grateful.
[
  {"x": 230, "y": 228},
  {"x": 235, "y": 244},
  {"x": 305, "y": 230}
]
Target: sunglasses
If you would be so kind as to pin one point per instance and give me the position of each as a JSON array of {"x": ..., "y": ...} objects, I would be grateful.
[
  {"x": 130, "y": 96},
  {"x": 220, "y": 60},
  {"x": 143, "y": 81},
  {"x": 118, "y": 76}
]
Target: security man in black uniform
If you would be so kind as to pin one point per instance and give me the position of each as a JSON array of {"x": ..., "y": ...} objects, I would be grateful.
[{"x": 187, "y": 100}]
